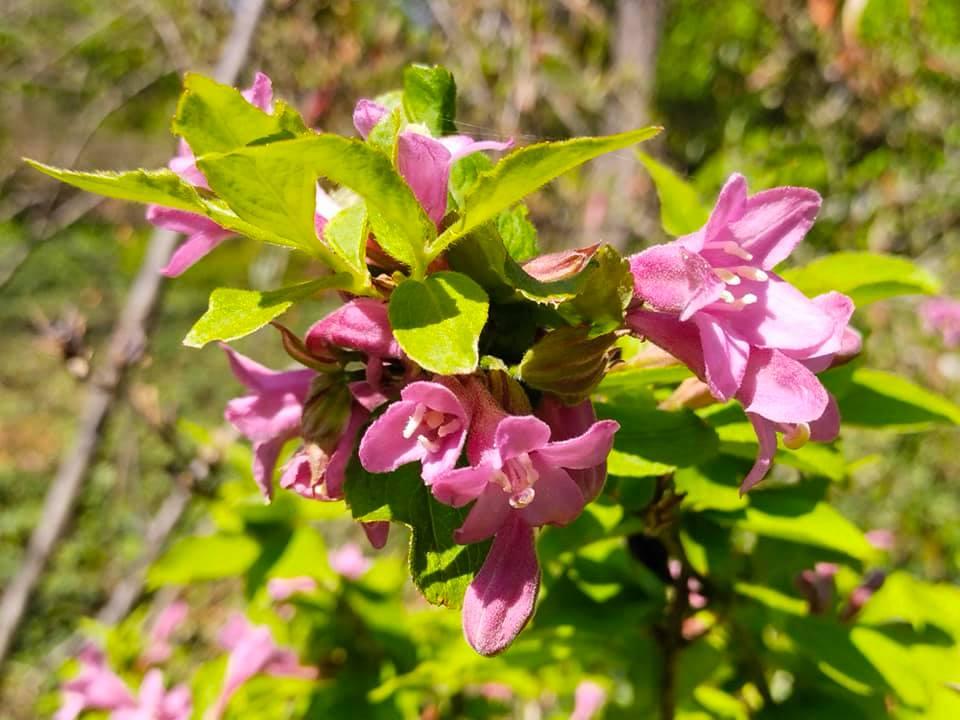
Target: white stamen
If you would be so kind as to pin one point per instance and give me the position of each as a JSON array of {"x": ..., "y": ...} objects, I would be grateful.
[
  {"x": 732, "y": 248},
  {"x": 726, "y": 276},
  {"x": 414, "y": 422},
  {"x": 751, "y": 273},
  {"x": 502, "y": 480},
  {"x": 522, "y": 499},
  {"x": 427, "y": 444},
  {"x": 530, "y": 474},
  {"x": 727, "y": 297},
  {"x": 450, "y": 428},
  {"x": 748, "y": 299},
  {"x": 797, "y": 437}
]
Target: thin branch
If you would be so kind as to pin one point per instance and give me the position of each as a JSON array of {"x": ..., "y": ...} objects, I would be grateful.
[{"x": 126, "y": 345}]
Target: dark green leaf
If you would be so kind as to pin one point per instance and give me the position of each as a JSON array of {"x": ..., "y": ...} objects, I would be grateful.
[
  {"x": 878, "y": 399},
  {"x": 567, "y": 362},
  {"x": 430, "y": 98},
  {"x": 440, "y": 568},
  {"x": 438, "y": 321},
  {"x": 607, "y": 290}
]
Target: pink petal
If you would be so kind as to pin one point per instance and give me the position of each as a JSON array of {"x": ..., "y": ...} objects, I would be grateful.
[
  {"x": 184, "y": 164},
  {"x": 367, "y": 395},
  {"x": 782, "y": 318},
  {"x": 844, "y": 341},
  {"x": 725, "y": 356},
  {"x": 184, "y": 222},
  {"x": 260, "y": 378},
  {"x": 826, "y": 427},
  {"x": 280, "y": 589},
  {"x": 584, "y": 451},
  {"x": 680, "y": 339},
  {"x": 325, "y": 207},
  {"x": 348, "y": 561},
  {"x": 774, "y": 222},
  {"x": 767, "y": 438},
  {"x": 486, "y": 517},
  {"x": 588, "y": 699},
  {"x": 560, "y": 265},
  {"x": 558, "y": 500},
  {"x": 781, "y": 389},
  {"x": 568, "y": 421},
  {"x": 336, "y": 473},
  {"x": 260, "y": 94},
  {"x": 670, "y": 278},
  {"x": 425, "y": 164},
  {"x": 377, "y": 533},
  {"x": 435, "y": 396},
  {"x": 463, "y": 485},
  {"x": 360, "y": 324},
  {"x": 462, "y": 145},
  {"x": 517, "y": 434},
  {"x": 366, "y": 115},
  {"x": 730, "y": 206},
  {"x": 501, "y": 598},
  {"x": 191, "y": 251},
  {"x": 265, "y": 456},
  {"x": 383, "y": 447}
]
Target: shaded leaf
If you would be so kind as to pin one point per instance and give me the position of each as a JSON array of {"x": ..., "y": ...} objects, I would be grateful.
[
  {"x": 430, "y": 98},
  {"x": 567, "y": 362}
]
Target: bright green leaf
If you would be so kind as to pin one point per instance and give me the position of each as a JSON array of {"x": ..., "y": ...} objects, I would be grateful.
[
  {"x": 194, "y": 559},
  {"x": 440, "y": 568},
  {"x": 234, "y": 313},
  {"x": 607, "y": 290},
  {"x": 526, "y": 170},
  {"x": 864, "y": 276},
  {"x": 213, "y": 117},
  {"x": 346, "y": 234},
  {"x": 518, "y": 233},
  {"x": 400, "y": 224},
  {"x": 430, "y": 98},
  {"x": 438, "y": 321},
  {"x": 681, "y": 210}
]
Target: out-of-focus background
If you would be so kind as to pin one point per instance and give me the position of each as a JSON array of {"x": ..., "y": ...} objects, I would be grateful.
[{"x": 859, "y": 99}]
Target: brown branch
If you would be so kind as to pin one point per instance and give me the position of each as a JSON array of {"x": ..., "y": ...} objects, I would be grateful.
[{"x": 126, "y": 345}]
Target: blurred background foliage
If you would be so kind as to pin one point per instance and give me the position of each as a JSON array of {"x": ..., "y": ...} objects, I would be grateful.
[{"x": 859, "y": 99}]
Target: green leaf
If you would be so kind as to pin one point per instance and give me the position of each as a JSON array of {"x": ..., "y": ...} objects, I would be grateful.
[
  {"x": 714, "y": 485},
  {"x": 526, "y": 170},
  {"x": 878, "y": 399},
  {"x": 399, "y": 223},
  {"x": 383, "y": 136},
  {"x": 430, "y": 98},
  {"x": 346, "y": 234},
  {"x": 440, "y": 568},
  {"x": 438, "y": 321},
  {"x": 159, "y": 187},
  {"x": 194, "y": 559},
  {"x": 234, "y": 313},
  {"x": 786, "y": 515},
  {"x": 628, "y": 380},
  {"x": 567, "y": 362},
  {"x": 864, "y": 276},
  {"x": 518, "y": 233},
  {"x": 216, "y": 118},
  {"x": 607, "y": 290},
  {"x": 648, "y": 435},
  {"x": 681, "y": 210}
]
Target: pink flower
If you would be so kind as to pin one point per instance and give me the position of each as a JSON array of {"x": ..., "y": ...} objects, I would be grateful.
[
  {"x": 348, "y": 561},
  {"x": 588, "y": 699},
  {"x": 423, "y": 161},
  {"x": 523, "y": 473},
  {"x": 427, "y": 425},
  {"x": 158, "y": 649},
  {"x": 253, "y": 652},
  {"x": 95, "y": 687},
  {"x": 817, "y": 586},
  {"x": 520, "y": 480},
  {"x": 882, "y": 539},
  {"x": 153, "y": 703},
  {"x": 762, "y": 345},
  {"x": 270, "y": 415},
  {"x": 872, "y": 582},
  {"x": 203, "y": 235},
  {"x": 280, "y": 589},
  {"x": 567, "y": 421},
  {"x": 942, "y": 315}
]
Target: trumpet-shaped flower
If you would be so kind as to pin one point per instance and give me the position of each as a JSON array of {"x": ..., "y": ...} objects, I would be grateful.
[
  {"x": 158, "y": 648},
  {"x": 253, "y": 652},
  {"x": 270, "y": 415},
  {"x": 712, "y": 300},
  {"x": 95, "y": 687},
  {"x": 155, "y": 703},
  {"x": 427, "y": 425},
  {"x": 348, "y": 561}
]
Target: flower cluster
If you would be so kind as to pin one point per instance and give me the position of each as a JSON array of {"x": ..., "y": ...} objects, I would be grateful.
[{"x": 457, "y": 349}]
